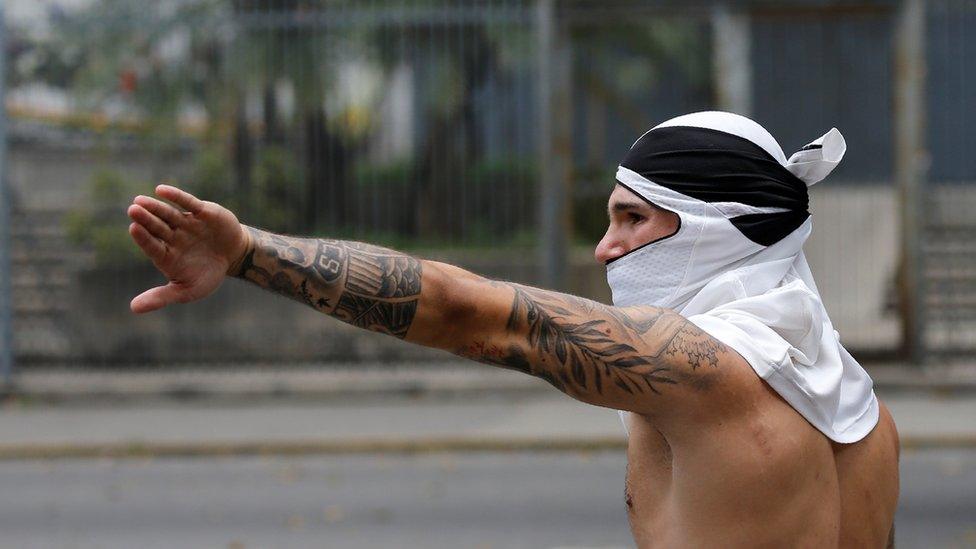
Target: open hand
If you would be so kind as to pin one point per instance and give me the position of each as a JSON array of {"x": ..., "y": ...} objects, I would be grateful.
[{"x": 194, "y": 249}]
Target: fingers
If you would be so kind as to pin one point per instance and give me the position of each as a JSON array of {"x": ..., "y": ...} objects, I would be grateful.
[
  {"x": 170, "y": 215},
  {"x": 150, "y": 245},
  {"x": 189, "y": 202},
  {"x": 153, "y": 224},
  {"x": 154, "y": 299}
]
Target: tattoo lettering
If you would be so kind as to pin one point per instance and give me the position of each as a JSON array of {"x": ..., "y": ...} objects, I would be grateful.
[
  {"x": 328, "y": 261},
  {"x": 367, "y": 286}
]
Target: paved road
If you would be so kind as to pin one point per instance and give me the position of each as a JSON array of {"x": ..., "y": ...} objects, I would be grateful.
[
  {"x": 445, "y": 501},
  {"x": 937, "y": 507}
]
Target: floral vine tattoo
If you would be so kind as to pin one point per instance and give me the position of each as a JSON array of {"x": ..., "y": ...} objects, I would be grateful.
[
  {"x": 367, "y": 286},
  {"x": 582, "y": 346}
]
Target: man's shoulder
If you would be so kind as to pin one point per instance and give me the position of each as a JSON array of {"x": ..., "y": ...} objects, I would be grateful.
[{"x": 712, "y": 377}]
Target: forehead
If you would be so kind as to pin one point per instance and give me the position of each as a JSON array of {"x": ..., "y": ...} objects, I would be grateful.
[{"x": 623, "y": 196}]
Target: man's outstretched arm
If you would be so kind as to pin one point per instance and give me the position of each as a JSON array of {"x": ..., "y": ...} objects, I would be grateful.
[
  {"x": 643, "y": 359},
  {"x": 622, "y": 358}
]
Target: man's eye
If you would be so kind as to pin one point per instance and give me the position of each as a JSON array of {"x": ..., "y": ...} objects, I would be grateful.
[{"x": 635, "y": 218}]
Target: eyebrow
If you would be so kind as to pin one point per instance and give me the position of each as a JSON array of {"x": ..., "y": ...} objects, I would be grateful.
[{"x": 618, "y": 207}]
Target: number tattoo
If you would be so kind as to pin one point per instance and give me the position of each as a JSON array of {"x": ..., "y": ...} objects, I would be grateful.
[{"x": 367, "y": 286}]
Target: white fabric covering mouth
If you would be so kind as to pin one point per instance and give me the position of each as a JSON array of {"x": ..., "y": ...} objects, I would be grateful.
[{"x": 760, "y": 300}]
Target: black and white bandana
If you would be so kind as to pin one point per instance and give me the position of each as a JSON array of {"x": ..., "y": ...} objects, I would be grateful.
[{"x": 736, "y": 267}]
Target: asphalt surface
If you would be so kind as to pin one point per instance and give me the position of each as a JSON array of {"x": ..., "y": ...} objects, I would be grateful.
[
  {"x": 476, "y": 499},
  {"x": 442, "y": 501},
  {"x": 937, "y": 506},
  {"x": 469, "y": 500}
]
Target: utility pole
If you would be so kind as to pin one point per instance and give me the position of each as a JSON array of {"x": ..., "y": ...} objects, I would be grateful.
[
  {"x": 732, "y": 58},
  {"x": 911, "y": 163},
  {"x": 6, "y": 293},
  {"x": 554, "y": 64}
]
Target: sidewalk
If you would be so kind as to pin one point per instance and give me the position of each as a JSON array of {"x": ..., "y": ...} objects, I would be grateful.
[
  {"x": 267, "y": 381},
  {"x": 542, "y": 421},
  {"x": 355, "y": 381}
]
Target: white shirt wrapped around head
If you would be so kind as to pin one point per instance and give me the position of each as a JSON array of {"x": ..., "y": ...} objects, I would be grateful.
[{"x": 735, "y": 266}]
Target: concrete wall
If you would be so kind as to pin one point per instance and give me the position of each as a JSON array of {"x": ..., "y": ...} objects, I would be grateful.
[
  {"x": 853, "y": 253},
  {"x": 59, "y": 176},
  {"x": 242, "y": 323}
]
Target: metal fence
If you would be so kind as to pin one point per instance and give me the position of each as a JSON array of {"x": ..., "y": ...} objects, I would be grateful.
[{"x": 480, "y": 132}]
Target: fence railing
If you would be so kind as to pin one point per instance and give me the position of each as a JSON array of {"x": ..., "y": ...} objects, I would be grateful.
[{"x": 484, "y": 133}]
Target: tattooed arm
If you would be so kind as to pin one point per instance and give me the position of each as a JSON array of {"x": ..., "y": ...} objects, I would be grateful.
[
  {"x": 636, "y": 359},
  {"x": 367, "y": 286},
  {"x": 643, "y": 359}
]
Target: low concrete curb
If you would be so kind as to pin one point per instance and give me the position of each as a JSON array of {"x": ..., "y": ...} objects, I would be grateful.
[
  {"x": 428, "y": 445},
  {"x": 933, "y": 442},
  {"x": 320, "y": 383},
  {"x": 267, "y": 383}
]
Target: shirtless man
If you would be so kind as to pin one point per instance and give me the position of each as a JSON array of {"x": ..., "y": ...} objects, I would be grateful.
[{"x": 724, "y": 451}]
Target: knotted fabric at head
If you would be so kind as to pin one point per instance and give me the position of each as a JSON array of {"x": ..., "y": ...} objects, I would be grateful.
[
  {"x": 720, "y": 167},
  {"x": 735, "y": 267}
]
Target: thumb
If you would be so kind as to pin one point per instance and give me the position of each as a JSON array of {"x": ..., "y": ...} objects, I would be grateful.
[{"x": 153, "y": 299}]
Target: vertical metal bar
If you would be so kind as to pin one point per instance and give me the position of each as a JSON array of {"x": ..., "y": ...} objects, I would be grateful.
[
  {"x": 732, "y": 59},
  {"x": 911, "y": 162},
  {"x": 6, "y": 293},
  {"x": 553, "y": 66}
]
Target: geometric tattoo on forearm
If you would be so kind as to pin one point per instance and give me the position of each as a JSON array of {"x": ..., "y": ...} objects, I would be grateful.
[{"x": 367, "y": 286}]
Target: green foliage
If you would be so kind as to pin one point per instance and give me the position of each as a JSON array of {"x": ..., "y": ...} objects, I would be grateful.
[
  {"x": 589, "y": 218},
  {"x": 162, "y": 60},
  {"x": 493, "y": 211},
  {"x": 385, "y": 176},
  {"x": 276, "y": 198},
  {"x": 507, "y": 170},
  {"x": 636, "y": 57},
  {"x": 103, "y": 225},
  {"x": 593, "y": 185},
  {"x": 212, "y": 179}
]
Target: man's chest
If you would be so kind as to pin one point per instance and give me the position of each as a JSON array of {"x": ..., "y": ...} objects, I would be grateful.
[
  {"x": 733, "y": 476},
  {"x": 649, "y": 469}
]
